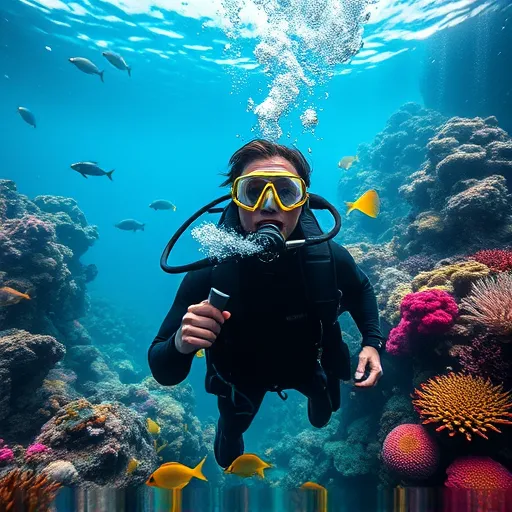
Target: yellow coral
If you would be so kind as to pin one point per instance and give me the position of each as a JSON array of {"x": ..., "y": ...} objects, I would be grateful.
[
  {"x": 54, "y": 386},
  {"x": 392, "y": 309},
  {"x": 464, "y": 404},
  {"x": 456, "y": 278},
  {"x": 428, "y": 223}
]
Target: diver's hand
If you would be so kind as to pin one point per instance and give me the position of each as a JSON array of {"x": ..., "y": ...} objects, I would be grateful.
[
  {"x": 368, "y": 356},
  {"x": 200, "y": 327}
]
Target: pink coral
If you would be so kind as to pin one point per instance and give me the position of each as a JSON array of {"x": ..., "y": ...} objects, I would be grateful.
[
  {"x": 409, "y": 451},
  {"x": 424, "y": 313},
  {"x": 35, "y": 449},
  {"x": 478, "y": 473},
  {"x": 498, "y": 260},
  {"x": 6, "y": 454}
]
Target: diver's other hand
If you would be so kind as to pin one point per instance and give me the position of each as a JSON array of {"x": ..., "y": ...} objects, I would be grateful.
[
  {"x": 369, "y": 356},
  {"x": 200, "y": 327}
]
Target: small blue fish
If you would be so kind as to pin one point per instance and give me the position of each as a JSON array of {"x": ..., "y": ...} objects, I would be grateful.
[
  {"x": 27, "y": 116},
  {"x": 130, "y": 225},
  {"x": 86, "y": 66},
  {"x": 117, "y": 61},
  {"x": 91, "y": 169},
  {"x": 162, "y": 204}
]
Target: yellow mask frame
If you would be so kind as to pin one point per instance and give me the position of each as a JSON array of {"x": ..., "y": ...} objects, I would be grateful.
[{"x": 257, "y": 173}]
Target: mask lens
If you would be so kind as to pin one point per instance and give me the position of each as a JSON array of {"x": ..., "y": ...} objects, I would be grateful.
[
  {"x": 249, "y": 190},
  {"x": 289, "y": 190}
]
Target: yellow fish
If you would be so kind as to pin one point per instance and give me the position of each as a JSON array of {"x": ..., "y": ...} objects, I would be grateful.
[
  {"x": 10, "y": 296},
  {"x": 248, "y": 464},
  {"x": 313, "y": 485},
  {"x": 173, "y": 475},
  {"x": 132, "y": 465},
  {"x": 347, "y": 161},
  {"x": 368, "y": 203},
  {"x": 153, "y": 427},
  {"x": 185, "y": 427},
  {"x": 200, "y": 352}
]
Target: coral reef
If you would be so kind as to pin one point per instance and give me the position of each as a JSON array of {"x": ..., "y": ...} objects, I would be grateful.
[
  {"x": 478, "y": 473},
  {"x": 498, "y": 260},
  {"x": 423, "y": 313},
  {"x": 409, "y": 451},
  {"x": 464, "y": 182},
  {"x": 464, "y": 404},
  {"x": 24, "y": 490}
]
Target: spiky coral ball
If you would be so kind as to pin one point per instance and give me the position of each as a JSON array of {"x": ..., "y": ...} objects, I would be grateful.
[
  {"x": 409, "y": 451},
  {"x": 463, "y": 404},
  {"x": 478, "y": 473},
  {"x": 498, "y": 260}
]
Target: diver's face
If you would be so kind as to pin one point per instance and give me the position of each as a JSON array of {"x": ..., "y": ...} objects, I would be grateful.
[{"x": 269, "y": 210}]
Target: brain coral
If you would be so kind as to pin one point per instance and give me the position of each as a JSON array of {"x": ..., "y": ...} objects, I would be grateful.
[
  {"x": 409, "y": 451},
  {"x": 478, "y": 473}
]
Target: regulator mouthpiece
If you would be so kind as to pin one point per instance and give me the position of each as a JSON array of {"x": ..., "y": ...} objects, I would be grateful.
[{"x": 270, "y": 237}]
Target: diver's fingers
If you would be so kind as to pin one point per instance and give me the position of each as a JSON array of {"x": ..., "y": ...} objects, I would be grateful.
[
  {"x": 191, "y": 332},
  {"x": 198, "y": 342},
  {"x": 372, "y": 379},
  {"x": 203, "y": 322},
  {"x": 206, "y": 309}
]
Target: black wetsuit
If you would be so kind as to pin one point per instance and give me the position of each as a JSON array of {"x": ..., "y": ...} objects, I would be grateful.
[{"x": 271, "y": 349}]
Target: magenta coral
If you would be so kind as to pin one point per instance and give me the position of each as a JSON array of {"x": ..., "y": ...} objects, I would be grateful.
[
  {"x": 428, "y": 312},
  {"x": 35, "y": 449},
  {"x": 6, "y": 455},
  {"x": 409, "y": 451},
  {"x": 498, "y": 260},
  {"x": 478, "y": 473}
]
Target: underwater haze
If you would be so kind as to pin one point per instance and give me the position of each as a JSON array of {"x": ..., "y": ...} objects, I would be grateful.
[{"x": 410, "y": 98}]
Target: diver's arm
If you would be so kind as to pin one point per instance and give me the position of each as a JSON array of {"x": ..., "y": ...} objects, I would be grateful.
[
  {"x": 169, "y": 366},
  {"x": 358, "y": 298}
]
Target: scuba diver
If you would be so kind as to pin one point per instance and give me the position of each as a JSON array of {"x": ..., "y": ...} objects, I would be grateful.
[{"x": 281, "y": 328}]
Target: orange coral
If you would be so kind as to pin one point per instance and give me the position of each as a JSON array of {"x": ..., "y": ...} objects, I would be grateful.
[
  {"x": 26, "y": 491},
  {"x": 464, "y": 404}
]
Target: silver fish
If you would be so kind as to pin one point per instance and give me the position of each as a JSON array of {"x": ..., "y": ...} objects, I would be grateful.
[
  {"x": 91, "y": 169},
  {"x": 162, "y": 204},
  {"x": 27, "y": 116},
  {"x": 86, "y": 66},
  {"x": 130, "y": 225},
  {"x": 117, "y": 61}
]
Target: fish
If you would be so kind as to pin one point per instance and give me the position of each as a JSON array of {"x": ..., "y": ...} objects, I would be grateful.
[
  {"x": 347, "y": 161},
  {"x": 130, "y": 225},
  {"x": 27, "y": 116},
  {"x": 200, "y": 352},
  {"x": 310, "y": 150},
  {"x": 162, "y": 204},
  {"x": 313, "y": 485},
  {"x": 368, "y": 203},
  {"x": 132, "y": 466},
  {"x": 91, "y": 169},
  {"x": 153, "y": 427},
  {"x": 185, "y": 427},
  {"x": 117, "y": 61},
  {"x": 174, "y": 475},
  {"x": 86, "y": 66},
  {"x": 10, "y": 296},
  {"x": 248, "y": 464}
]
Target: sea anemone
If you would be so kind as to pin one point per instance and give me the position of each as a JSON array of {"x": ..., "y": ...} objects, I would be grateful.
[
  {"x": 464, "y": 404},
  {"x": 490, "y": 304}
]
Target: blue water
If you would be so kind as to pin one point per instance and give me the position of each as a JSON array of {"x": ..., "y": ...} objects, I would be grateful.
[{"x": 169, "y": 130}]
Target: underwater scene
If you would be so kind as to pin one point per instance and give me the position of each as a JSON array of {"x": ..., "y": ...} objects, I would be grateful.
[{"x": 256, "y": 255}]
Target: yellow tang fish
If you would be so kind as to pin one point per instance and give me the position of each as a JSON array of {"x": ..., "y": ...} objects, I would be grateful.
[
  {"x": 347, "y": 161},
  {"x": 313, "y": 485},
  {"x": 247, "y": 465},
  {"x": 153, "y": 427},
  {"x": 132, "y": 465},
  {"x": 368, "y": 203},
  {"x": 173, "y": 475},
  {"x": 9, "y": 296},
  {"x": 200, "y": 352}
]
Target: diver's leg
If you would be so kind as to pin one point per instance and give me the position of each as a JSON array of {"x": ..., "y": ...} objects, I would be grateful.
[
  {"x": 319, "y": 400},
  {"x": 229, "y": 441}
]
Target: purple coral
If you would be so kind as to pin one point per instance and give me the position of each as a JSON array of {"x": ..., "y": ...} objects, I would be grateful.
[
  {"x": 6, "y": 454},
  {"x": 35, "y": 449}
]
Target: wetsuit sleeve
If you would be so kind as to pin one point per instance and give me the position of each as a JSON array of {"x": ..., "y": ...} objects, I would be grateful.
[
  {"x": 169, "y": 366},
  {"x": 358, "y": 298}
]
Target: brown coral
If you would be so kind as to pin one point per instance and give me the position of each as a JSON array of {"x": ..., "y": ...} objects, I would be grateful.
[
  {"x": 23, "y": 490},
  {"x": 463, "y": 404},
  {"x": 490, "y": 304}
]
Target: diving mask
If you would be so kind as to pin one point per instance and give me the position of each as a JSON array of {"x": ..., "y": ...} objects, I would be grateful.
[{"x": 249, "y": 191}]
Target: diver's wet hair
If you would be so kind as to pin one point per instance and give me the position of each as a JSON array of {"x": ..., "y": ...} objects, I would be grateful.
[{"x": 261, "y": 148}]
